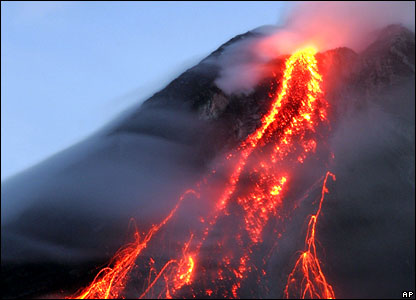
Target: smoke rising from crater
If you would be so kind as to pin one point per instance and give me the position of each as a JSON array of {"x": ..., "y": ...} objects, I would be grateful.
[{"x": 324, "y": 25}]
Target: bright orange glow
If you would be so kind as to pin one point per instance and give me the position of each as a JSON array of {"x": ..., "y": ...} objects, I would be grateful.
[{"x": 286, "y": 136}]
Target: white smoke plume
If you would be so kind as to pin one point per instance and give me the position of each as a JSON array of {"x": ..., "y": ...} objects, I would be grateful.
[{"x": 324, "y": 25}]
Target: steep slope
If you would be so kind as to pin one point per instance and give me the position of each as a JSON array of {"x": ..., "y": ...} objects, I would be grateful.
[{"x": 74, "y": 208}]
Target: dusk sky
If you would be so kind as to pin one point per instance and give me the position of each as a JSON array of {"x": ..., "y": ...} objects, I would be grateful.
[{"x": 70, "y": 67}]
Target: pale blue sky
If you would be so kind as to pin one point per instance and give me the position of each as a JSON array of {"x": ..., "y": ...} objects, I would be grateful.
[{"x": 69, "y": 67}]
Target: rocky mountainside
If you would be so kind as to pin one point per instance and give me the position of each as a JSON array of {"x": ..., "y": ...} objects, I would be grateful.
[
  {"x": 384, "y": 64},
  {"x": 67, "y": 204}
]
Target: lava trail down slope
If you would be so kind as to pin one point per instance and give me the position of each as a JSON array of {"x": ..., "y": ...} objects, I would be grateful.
[{"x": 249, "y": 205}]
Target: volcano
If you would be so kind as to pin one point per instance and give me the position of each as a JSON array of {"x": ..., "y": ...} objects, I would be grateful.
[{"x": 302, "y": 187}]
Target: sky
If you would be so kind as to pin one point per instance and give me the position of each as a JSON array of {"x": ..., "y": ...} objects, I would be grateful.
[{"x": 70, "y": 67}]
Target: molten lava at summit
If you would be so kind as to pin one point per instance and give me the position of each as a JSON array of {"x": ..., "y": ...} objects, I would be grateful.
[{"x": 253, "y": 203}]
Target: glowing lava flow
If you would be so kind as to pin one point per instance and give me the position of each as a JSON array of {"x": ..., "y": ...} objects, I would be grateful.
[
  {"x": 264, "y": 161},
  {"x": 293, "y": 120},
  {"x": 286, "y": 137},
  {"x": 307, "y": 278},
  {"x": 110, "y": 282}
]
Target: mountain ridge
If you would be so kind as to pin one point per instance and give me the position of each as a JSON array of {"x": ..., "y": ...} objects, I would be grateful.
[{"x": 190, "y": 121}]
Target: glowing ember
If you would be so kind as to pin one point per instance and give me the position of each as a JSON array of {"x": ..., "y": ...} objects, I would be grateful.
[{"x": 253, "y": 195}]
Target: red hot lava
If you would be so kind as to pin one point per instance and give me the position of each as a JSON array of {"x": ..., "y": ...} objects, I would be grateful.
[{"x": 253, "y": 197}]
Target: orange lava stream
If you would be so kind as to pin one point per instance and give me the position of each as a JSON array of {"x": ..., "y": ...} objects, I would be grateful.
[
  {"x": 110, "y": 282},
  {"x": 305, "y": 57},
  {"x": 178, "y": 277},
  {"x": 307, "y": 279},
  {"x": 293, "y": 117},
  {"x": 286, "y": 135}
]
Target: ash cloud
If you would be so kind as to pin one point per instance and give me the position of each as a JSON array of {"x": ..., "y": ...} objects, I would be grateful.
[
  {"x": 323, "y": 25},
  {"x": 370, "y": 216}
]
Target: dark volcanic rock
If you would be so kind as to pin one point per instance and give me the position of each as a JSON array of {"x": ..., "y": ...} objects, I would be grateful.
[{"x": 388, "y": 61}]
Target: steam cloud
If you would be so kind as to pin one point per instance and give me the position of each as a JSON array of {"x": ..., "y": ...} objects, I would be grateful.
[{"x": 324, "y": 25}]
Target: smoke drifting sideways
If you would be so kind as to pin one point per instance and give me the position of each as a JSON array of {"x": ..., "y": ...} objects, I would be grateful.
[
  {"x": 77, "y": 205},
  {"x": 323, "y": 25}
]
